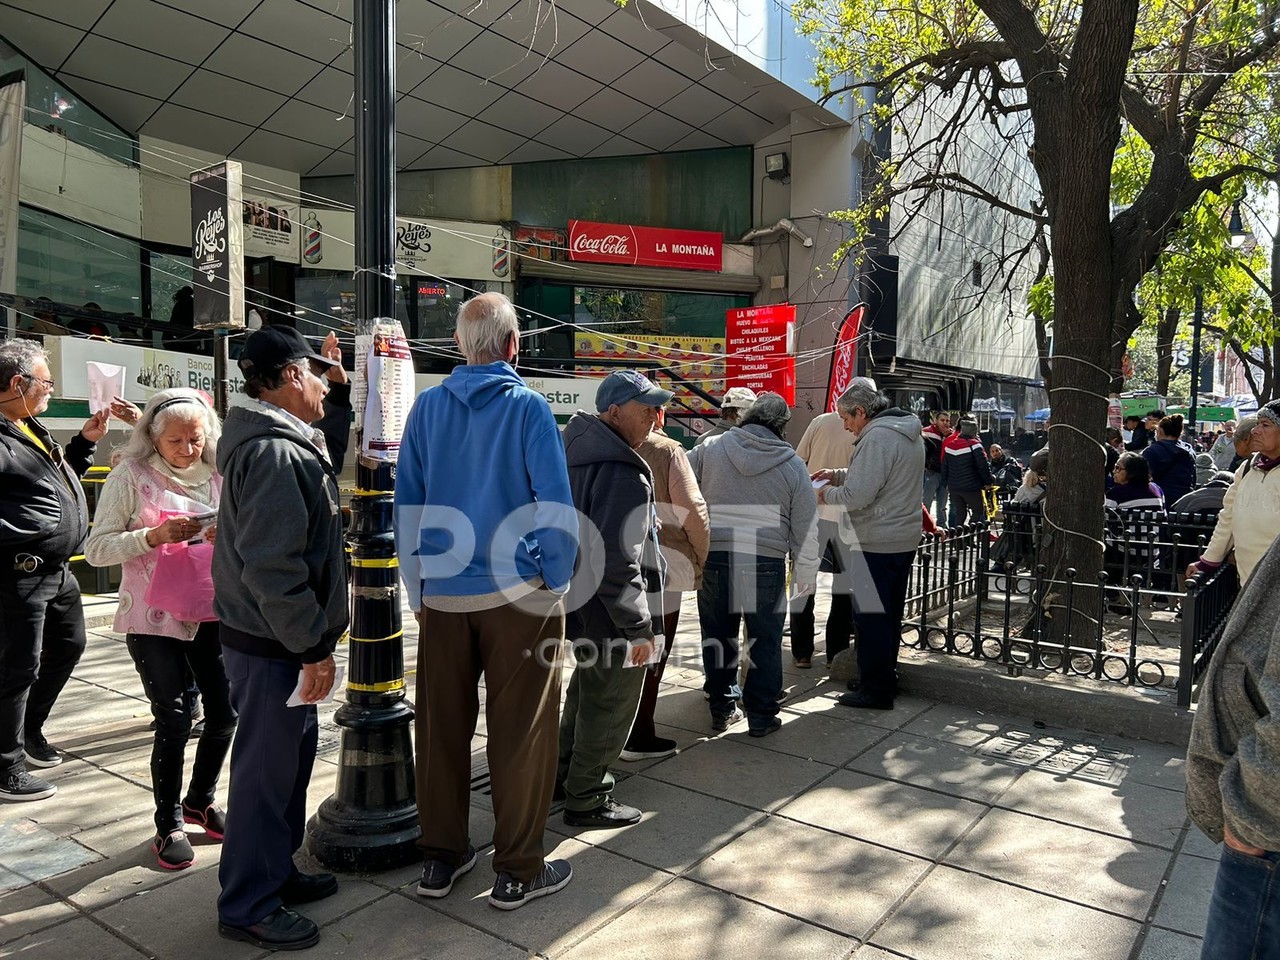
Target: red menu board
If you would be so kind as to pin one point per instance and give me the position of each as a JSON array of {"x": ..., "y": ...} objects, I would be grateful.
[
  {"x": 645, "y": 246},
  {"x": 760, "y": 342}
]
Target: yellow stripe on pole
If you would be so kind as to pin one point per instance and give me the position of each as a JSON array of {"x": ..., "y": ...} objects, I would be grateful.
[
  {"x": 376, "y": 687},
  {"x": 358, "y": 492},
  {"x": 376, "y": 564},
  {"x": 394, "y": 636}
]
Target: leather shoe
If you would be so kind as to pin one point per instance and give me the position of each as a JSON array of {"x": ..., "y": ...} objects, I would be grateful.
[
  {"x": 308, "y": 887},
  {"x": 865, "y": 701},
  {"x": 282, "y": 929}
]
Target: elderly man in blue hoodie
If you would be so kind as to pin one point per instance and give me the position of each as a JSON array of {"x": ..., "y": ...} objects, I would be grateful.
[
  {"x": 487, "y": 536},
  {"x": 882, "y": 522}
]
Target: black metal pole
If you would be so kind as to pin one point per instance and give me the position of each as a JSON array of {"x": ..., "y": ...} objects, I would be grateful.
[
  {"x": 371, "y": 821},
  {"x": 221, "y": 360},
  {"x": 1195, "y": 360}
]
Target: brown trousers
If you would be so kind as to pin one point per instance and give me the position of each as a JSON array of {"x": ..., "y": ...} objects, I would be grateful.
[{"x": 519, "y": 654}]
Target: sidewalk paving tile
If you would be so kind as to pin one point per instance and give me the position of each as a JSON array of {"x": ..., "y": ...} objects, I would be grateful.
[
  {"x": 815, "y": 737},
  {"x": 29, "y": 853},
  {"x": 846, "y": 885},
  {"x": 678, "y": 827},
  {"x": 30, "y": 909},
  {"x": 75, "y": 938},
  {"x": 961, "y": 726},
  {"x": 956, "y": 914},
  {"x": 1133, "y": 810},
  {"x": 691, "y": 920},
  {"x": 1090, "y": 868},
  {"x": 1167, "y": 945},
  {"x": 604, "y": 885},
  {"x": 754, "y": 778},
  {"x": 1185, "y": 904},
  {"x": 1198, "y": 845},
  {"x": 1156, "y": 764},
  {"x": 937, "y": 766},
  {"x": 111, "y": 881},
  {"x": 400, "y": 928},
  {"x": 892, "y": 814},
  {"x": 87, "y": 797},
  {"x": 823, "y": 700}
]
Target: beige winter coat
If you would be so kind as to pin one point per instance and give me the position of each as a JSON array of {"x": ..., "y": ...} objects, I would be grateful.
[{"x": 685, "y": 531}]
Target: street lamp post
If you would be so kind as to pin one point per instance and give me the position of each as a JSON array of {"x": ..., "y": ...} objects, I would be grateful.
[{"x": 1195, "y": 359}]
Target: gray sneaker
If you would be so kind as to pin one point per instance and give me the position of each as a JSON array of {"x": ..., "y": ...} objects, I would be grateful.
[
  {"x": 438, "y": 876},
  {"x": 20, "y": 786},
  {"x": 512, "y": 894}
]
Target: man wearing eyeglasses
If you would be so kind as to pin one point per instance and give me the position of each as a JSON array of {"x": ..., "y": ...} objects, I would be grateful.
[{"x": 43, "y": 523}]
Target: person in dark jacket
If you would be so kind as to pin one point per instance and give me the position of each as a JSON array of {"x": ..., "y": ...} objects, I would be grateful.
[
  {"x": 1144, "y": 431},
  {"x": 615, "y": 605},
  {"x": 965, "y": 472},
  {"x": 43, "y": 523},
  {"x": 1006, "y": 472},
  {"x": 1173, "y": 466},
  {"x": 280, "y": 592}
]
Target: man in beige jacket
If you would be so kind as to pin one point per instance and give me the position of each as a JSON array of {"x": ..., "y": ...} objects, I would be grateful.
[
  {"x": 684, "y": 535},
  {"x": 826, "y": 445}
]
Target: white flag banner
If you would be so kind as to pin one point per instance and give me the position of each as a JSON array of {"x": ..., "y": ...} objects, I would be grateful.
[{"x": 13, "y": 94}]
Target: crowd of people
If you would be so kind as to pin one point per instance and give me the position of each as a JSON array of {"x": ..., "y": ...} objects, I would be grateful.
[{"x": 518, "y": 544}]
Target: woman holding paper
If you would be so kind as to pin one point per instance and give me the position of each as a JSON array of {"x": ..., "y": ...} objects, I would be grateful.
[{"x": 164, "y": 490}]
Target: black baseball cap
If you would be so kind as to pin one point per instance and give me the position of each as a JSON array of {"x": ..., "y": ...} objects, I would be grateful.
[{"x": 275, "y": 345}]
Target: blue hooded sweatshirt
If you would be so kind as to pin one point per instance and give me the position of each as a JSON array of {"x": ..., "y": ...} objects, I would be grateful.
[{"x": 482, "y": 491}]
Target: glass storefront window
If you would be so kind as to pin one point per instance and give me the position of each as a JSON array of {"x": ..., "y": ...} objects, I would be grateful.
[
  {"x": 72, "y": 263},
  {"x": 169, "y": 274}
]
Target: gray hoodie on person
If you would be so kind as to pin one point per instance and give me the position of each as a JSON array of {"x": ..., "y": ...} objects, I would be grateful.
[
  {"x": 880, "y": 490},
  {"x": 757, "y": 488},
  {"x": 1233, "y": 759}
]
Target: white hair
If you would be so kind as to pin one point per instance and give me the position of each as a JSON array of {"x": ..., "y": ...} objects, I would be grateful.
[
  {"x": 17, "y": 357},
  {"x": 485, "y": 326},
  {"x": 177, "y": 405},
  {"x": 862, "y": 393}
]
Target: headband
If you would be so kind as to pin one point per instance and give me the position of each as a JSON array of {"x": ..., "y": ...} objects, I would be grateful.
[{"x": 176, "y": 400}]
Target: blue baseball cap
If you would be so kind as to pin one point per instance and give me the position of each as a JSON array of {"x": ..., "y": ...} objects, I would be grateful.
[{"x": 623, "y": 386}]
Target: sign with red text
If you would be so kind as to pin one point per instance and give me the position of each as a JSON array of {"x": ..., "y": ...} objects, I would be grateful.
[
  {"x": 760, "y": 343},
  {"x": 645, "y": 246}
]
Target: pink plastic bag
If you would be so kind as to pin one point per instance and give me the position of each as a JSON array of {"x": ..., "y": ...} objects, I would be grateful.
[{"x": 182, "y": 583}]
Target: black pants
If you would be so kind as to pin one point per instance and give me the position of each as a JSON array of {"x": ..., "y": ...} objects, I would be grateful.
[
  {"x": 966, "y": 504},
  {"x": 41, "y": 639},
  {"x": 271, "y": 761},
  {"x": 163, "y": 663},
  {"x": 840, "y": 619},
  {"x": 880, "y": 583}
]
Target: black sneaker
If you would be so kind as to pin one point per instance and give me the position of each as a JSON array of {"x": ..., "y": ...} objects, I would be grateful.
[
  {"x": 862, "y": 700},
  {"x": 39, "y": 753},
  {"x": 209, "y": 816},
  {"x": 768, "y": 728},
  {"x": 654, "y": 749},
  {"x": 721, "y": 722},
  {"x": 308, "y": 888},
  {"x": 609, "y": 814},
  {"x": 173, "y": 851},
  {"x": 438, "y": 876},
  {"x": 282, "y": 929},
  {"x": 511, "y": 894},
  {"x": 21, "y": 786}
]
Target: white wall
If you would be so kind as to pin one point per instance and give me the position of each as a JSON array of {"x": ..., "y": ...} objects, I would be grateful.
[
  {"x": 73, "y": 181},
  {"x": 166, "y": 187}
]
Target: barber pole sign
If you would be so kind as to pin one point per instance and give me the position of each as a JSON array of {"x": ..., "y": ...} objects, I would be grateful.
[{"x": 844, "y": 359}]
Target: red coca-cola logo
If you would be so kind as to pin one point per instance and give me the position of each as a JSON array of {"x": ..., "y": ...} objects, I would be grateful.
[{"x": 611, "y": 244}]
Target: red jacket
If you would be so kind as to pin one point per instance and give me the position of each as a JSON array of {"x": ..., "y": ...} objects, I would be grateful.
[{"x": 964, "y": 463}]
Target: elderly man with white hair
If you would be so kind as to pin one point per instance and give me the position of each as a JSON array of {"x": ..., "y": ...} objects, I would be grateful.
[{"x": 880, "y": 493}]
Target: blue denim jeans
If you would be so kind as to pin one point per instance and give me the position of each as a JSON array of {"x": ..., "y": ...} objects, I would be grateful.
[
  {"x": 1244, "y": 912},
  {"x": 734, "y": 588},
  {"x": 935, "y": 496}
]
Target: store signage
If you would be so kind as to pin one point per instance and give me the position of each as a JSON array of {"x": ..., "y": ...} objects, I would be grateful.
[
  {"x": 844, "y": 359},
  {"x": 269, "y": 227},
  {"x": 541, "y": 243},
  {"x": 760, "y": 342},
  {"x": 456, "y": 249},
  {"x": 147, "y": 370},
  {"x": 645, "y": 246},
  {"x": 217, "y": 250}
]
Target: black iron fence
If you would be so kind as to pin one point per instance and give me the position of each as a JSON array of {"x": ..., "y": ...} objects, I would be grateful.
[{"x": 990, "y": 598}]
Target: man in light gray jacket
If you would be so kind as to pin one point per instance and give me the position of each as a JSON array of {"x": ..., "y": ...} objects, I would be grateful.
[
  {"x": 762, "y": 511},
  {"x": 1233, "y": 772},
  {"x": 880, "y": 493}
]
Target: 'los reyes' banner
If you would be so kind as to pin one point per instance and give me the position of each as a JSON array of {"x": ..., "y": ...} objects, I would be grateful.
[{"x": 217, "y": 247}]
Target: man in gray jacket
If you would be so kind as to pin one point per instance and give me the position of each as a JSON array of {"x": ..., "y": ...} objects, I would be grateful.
[
  {"x": 280, "y": 592},
  {"x": 881, "y": 523},
  {"x": 615, "y": 597},
  {"x": 1233, "y": 772},
  {"x": 762, "y": 511}
]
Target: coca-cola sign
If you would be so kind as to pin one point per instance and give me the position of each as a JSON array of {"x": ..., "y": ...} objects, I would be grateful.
[{"x": 592, "y": 242}]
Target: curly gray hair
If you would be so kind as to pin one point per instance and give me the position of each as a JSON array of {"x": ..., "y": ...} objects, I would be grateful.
[
  {"x": 862, "y": 393},
  {"x": 168, "y": 406},
  {"x": 16, "y": 359}
]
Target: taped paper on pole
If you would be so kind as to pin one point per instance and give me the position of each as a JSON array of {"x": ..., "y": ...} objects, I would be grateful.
[{"x": 389, "y": 368}]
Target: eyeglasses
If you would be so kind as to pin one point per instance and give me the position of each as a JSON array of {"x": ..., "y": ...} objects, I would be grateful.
[{"x": 48, "y": 383}]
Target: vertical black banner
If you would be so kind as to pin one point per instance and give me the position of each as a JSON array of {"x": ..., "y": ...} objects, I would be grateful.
[{"x": 217, "y": 249}]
